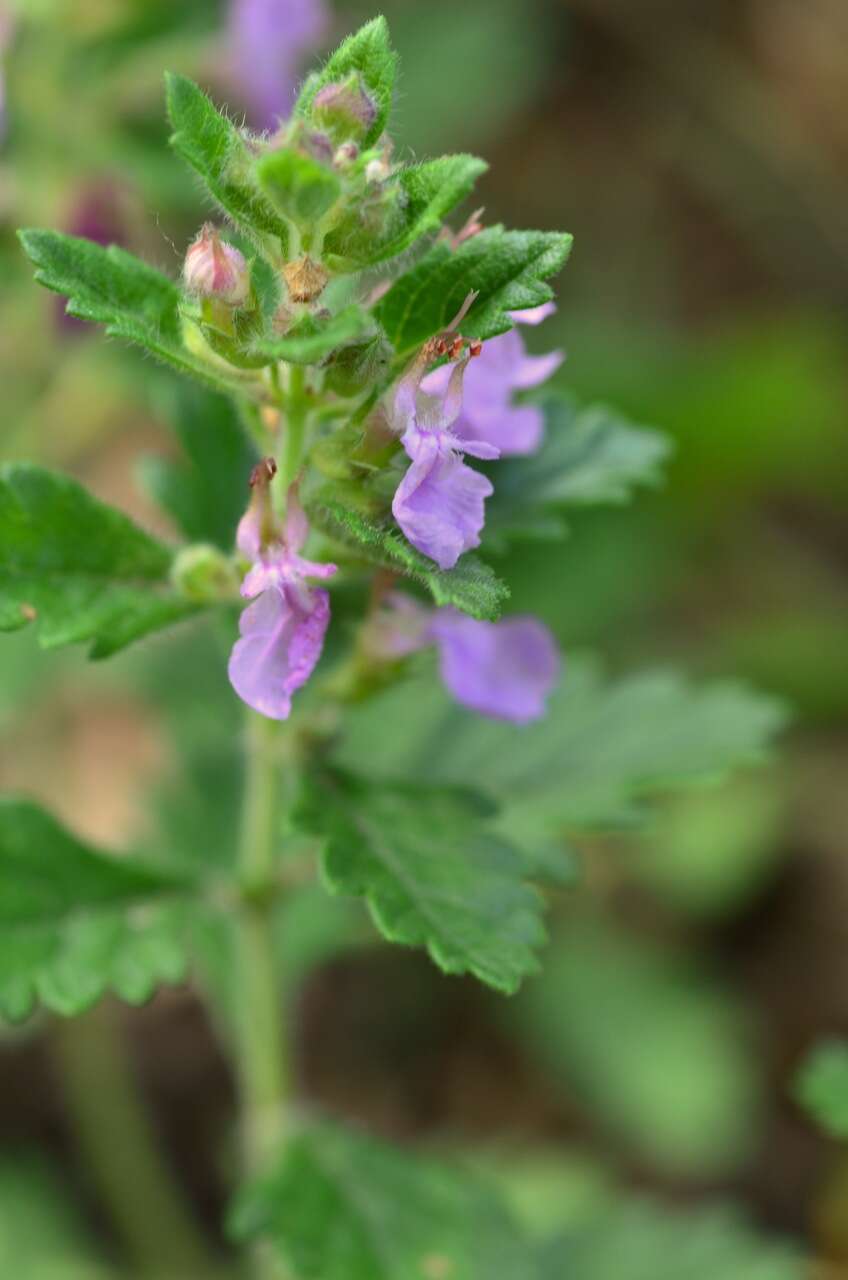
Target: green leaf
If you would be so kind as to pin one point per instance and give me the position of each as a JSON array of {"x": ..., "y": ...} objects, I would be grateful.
[
  {"x": 312, "y": 339},
  {"x": 822, "y": 1086},
  {"x": 75, "y": 922},
  {"x": 300, "y": 187},
  {"x": 81, "y": 569},
  {"x": 471, "y": 586},
  {"x": 590, "y": 455},
  {"x": 427, "y": 193},
  {"x": 600, "y": 750},
  {"x": 431, "y": 873},
  {"x": 643, "y": 1240},
  {"x": 341, "y": 1206},
  {"x": 369, "y": 53},
  {"x": 206, "y": 491},
  {"x": 215, "y": 149},
  {"x": 134, "y": 301},
  {"x": 507, "y": 269},
  {"x": 667, "y": 1070}
]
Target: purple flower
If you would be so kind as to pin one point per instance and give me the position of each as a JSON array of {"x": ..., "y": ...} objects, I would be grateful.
[
  {"x": 504, "y": 367},
  {"x": 501, "y": 669},
  {"x": 267, "y": 42},
  {"x": 282, "y": 631},
  {"x": 439, "y": 502},
  {"x": 505, "y": 669}
]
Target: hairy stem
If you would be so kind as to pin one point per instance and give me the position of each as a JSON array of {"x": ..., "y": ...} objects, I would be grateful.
[
  {"x": 262, "y": 1064},
  {"x": 127, "y": 1168},
  {"x": 296, "y": 414}
]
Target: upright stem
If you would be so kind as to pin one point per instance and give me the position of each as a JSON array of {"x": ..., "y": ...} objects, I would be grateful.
[
  {"x": 129, "y": 1171},
  {"x": 296, "y": 414},
  {"x": 262, "y": 1064}
]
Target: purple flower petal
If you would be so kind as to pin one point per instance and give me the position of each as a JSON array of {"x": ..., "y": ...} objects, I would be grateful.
[
  {"x": 282, "y": 635},
  {"x": 503, "y": 367},
  {"x": 439, "y": 502},
  {"x": 534, "y": 315},
  {"x": 268, "y": 40},
  {"x": 501, "y": 669}
]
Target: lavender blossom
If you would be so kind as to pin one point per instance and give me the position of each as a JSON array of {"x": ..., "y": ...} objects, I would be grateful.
[
  {"x": 504, "y": 670},
  {"x": 439, "y": 502},
  {"x": 282, "y": 631},
  {"x": 267, "y": 41},
  {"x": 488, "y": 412}
]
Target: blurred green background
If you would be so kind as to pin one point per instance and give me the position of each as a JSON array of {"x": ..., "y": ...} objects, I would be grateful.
[{"x": 699, "y": 154}]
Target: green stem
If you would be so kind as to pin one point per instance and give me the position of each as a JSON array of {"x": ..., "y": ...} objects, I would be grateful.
[
  {"x": 262, "y": 1067},
  {"x": 296, "y": 415},
  {"x": 113, "y": 1133}
]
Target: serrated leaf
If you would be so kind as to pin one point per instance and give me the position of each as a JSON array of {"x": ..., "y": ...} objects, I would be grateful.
[
  {"x": 507, "y": 269},
  {"x": 339, "y": 1205},
  {"x": 79, "y": 569},
  {"x": 602, "y": 748},
  {"x": 822, "y": 1087},
  {"x": 589, "y": 455},
  {"x": 313, "y": 338},
  {"x": 471, "y": 586},
  {"x": 215, "y": 149},
  {"x": 369, "y": 53},
  {"x": 427, "y": 193},
  {"x": 75, "y": 922},
  {"x": 431, "y": 872},
  {"x": 204, "y": 492},
  {"x": 300, "y": 187},
  {"x": 134, "y": 301}
]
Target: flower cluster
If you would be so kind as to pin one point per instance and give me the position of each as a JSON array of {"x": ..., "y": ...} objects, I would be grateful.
[
  {"x": 327, "y": 174},
  {"x": 505, "y": 669}
]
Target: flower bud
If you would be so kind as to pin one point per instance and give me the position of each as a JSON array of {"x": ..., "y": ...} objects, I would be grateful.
[
  {"x": 345, "y": 108},
  {"x": 204, "y": 574},
  {"x": 215, "y": 269},
  {"x": 345, "y": 155},
  {"x": 305, "y": 279},
  {"x": 377, "y": 170}
]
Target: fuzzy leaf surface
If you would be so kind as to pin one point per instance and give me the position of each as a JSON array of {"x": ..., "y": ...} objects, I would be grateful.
[
  {"x": 134, "y": 301},
  {"x": 313, "y": 339},
  {"x": 75, "y": 922},
  {"x": 215, "y": 149},
  {"x": 79, "y": 569},
  {"x": 471, "y": 586},
  {"x": 432, "y": 873},
  {"x": 507, "y": 269},
  {"x": 428, "y": 192}
]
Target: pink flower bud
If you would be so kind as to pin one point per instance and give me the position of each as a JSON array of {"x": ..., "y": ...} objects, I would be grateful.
[
  {"x": 345, "y": 108},
  {"x": 215, "y": 269}
]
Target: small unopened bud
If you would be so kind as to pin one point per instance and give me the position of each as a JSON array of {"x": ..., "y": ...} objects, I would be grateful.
[
  {"x": 215, "y": 269},
  {"x": 305, "y": 279},
  {"x": 345, "y": 108},
  {"x": 204, "y": 574},
  {"x": 377, "y": 170},
  {"x": 475, "y": 348},
  {"x": 345, "y": 155}
]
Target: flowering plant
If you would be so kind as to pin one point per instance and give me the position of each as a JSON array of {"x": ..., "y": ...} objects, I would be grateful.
[{"x": 372, "y": 436}]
